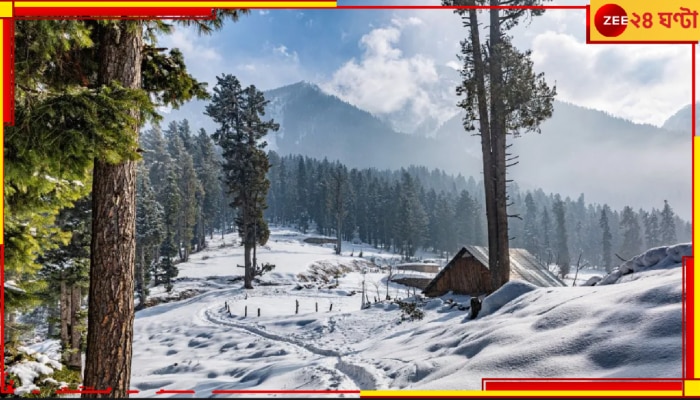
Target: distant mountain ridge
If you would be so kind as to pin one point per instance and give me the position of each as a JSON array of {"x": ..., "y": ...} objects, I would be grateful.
[
  {"x": 681, "y": 120},
  {"x": 580, "y": 150}
]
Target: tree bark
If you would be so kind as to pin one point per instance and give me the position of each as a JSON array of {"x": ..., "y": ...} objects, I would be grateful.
[
  {"x": 111, "y": 296},
  {"x": 141, "y": 277},
  {"x": 75, "y": 359},
  {"x": 500, "y": 266},
  {"x": 65, "y": 321},
  {"x": 486, "y": 142}
]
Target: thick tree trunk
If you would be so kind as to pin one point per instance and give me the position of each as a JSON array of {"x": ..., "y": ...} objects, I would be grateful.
[
  {"x": 486, "y": 142},
  {"x": 111, "y": 296},
  {"x": 500, "y": 267},
  {"x": 75, "y": 359}
]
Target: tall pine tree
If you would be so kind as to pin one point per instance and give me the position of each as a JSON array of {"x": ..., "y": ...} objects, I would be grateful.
[{"x": 241, "y": 131}]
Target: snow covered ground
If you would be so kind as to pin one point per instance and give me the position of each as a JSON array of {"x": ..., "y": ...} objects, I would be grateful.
[
  {"x": 628, "y": 329},
  {"x": 627, "y": 325}
]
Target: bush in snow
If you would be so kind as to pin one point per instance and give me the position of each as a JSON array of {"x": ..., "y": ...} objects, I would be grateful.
[
  {"x": 267, "y": 267},
  {"x": 410, "y": 311},
  {"x": 32, "y": 371}
]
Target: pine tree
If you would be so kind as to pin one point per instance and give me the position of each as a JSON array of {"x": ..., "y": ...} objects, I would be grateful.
[
  {"x": 165, "y": 269},
  {"x": 606, "y": 240},
  {"x": 208, "y": 169},
  {"x": 652, "y": 234},
  {"x": 338, "y": 190},
  {"x": 411, "y": 221},
  {"x": 506, "y": 96},
  {"x": 66, "y": 269},
  {"x": 465, "y": 220},
  {"x": 563, "y": 259},
  {"x": 530, "y": 225},
  {"x": 149, "y": 232},
  {"x": 668, "y": 226},
  {"x": 631, "y": 234},
  {"x": 546, "y": 244},
  {"x": 238, "y": 111}
]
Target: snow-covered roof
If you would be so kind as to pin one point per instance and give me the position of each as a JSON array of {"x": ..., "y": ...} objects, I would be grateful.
[{"x": 523, "y": 266}]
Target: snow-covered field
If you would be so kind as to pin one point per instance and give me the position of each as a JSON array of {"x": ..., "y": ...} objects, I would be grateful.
[{"x": 629, "y": 329}]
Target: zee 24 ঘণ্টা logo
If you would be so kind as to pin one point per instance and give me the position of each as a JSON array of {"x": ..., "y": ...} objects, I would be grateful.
[{"x": 611, "y": 20}]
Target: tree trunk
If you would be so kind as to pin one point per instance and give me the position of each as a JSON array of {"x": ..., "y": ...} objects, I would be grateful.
[
  {"x": 501, "y": 274},
  {"x": 248, "y": 278},
  {"x": 111, "y": 296},
  {"x": 65, "y": 321},
  {"x": 141, "y": 277},
  {"x": 54, "y": 312},
  {"x": 486, "y": 142},
  {"x": 75, "y": 359}
]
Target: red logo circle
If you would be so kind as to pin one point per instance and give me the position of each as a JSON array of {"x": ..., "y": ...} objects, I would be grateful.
[{"x": 611, "y": 20}]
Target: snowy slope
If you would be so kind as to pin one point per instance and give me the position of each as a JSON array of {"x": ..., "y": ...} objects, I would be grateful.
[{"x": 628, "y": 329}]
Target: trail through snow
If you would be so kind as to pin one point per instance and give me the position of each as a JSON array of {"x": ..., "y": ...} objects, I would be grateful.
[{"x": 629, "y": 329}]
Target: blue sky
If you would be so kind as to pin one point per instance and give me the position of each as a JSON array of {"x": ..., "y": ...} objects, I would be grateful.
[{"x": 393, "y": 62}]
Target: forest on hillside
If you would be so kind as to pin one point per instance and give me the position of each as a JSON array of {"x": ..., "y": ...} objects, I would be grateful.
[{"x": 180, "y": 191}]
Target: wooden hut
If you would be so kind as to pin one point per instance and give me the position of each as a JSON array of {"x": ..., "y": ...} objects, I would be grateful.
[{"x": 468, "y": 273}]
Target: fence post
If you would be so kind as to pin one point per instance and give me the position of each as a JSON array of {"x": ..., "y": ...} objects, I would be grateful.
[
  {"x": 297, "y": 310},
  {"x": 246, "y": 312},
  {"x": 258, "y": 312},
  {"x": 317, "y": 306},
  {"x": 331, "y": 309}
]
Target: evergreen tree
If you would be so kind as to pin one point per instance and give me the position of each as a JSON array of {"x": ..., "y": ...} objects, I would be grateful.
[
  {"x": 338, "y": 190},
  {"x": 563, "y": 259},
  {"x": 668, "y": 226},
  {"x": 546, "y": 244},
  {"x": 165, "y": 269},
  {"x": 66, "y": 269},
  {"x": 149, "y": 232},
  {"x": 208, "y": 169},
  {"x": 411, "y": 219},
  {"x": 238, "y": 111},
  {"x": 631, "y": 234},
  {"x": 530, "y": 225},
  {"x": 506, "y": 96},
  {"x": 652, "y": 233},
  {"x": 606, "y": 240}
]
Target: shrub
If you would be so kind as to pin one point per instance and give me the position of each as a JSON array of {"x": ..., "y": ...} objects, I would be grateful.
[{"x": 410, "y": 311}]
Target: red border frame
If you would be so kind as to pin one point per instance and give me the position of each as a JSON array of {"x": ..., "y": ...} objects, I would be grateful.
[{"x": 511, "y": 384}]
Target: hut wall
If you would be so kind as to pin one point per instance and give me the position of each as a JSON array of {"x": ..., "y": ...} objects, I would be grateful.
[{"x": 467, "y": 276}]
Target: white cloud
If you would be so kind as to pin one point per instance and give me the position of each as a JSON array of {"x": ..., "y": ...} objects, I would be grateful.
[
  {"x": 264, "y": 12},
  {"x": 283, "y": 51},
  {"x": 643, "y": 83},
  {"x": 384, "y": 80}
]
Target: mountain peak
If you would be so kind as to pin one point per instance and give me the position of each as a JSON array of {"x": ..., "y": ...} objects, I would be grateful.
[{"x": 681, "y": 120}]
